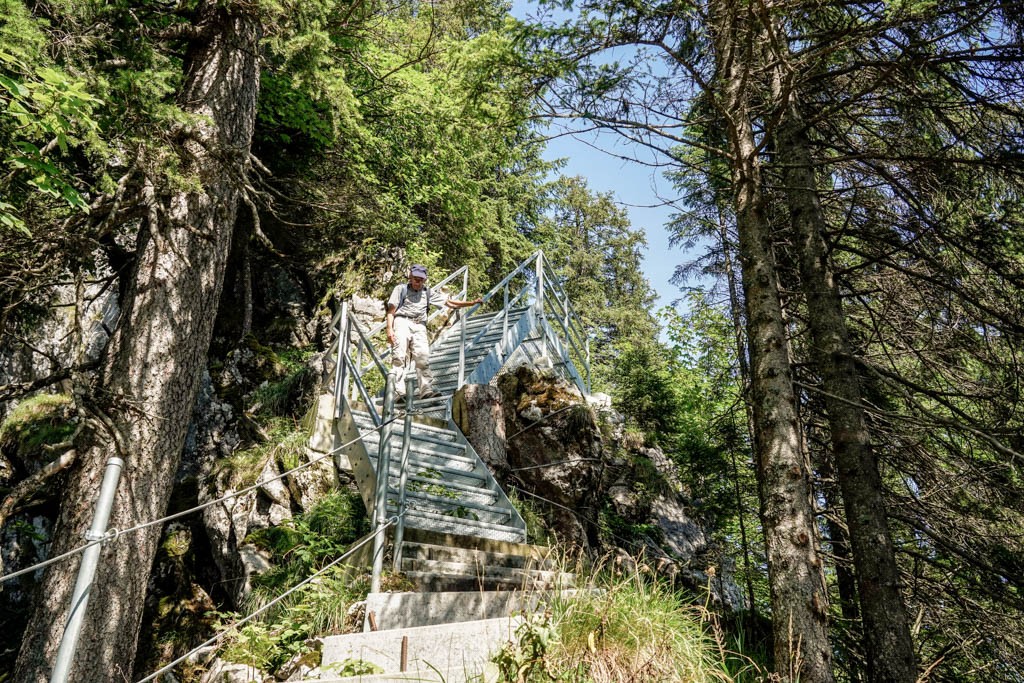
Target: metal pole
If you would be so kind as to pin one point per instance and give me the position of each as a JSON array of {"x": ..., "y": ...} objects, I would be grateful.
[
  {"x": 462, "y": 351},
  {"x": 87, "y": 572},
  {"x": 540, "y": 283},
  {"x": 588, "y": 363},
  {"x": 339, "y": 362},
  {"x": 403, "y": 471},
  {"x": 380, "y": 500},
  {"x": 462, "y": 341}
]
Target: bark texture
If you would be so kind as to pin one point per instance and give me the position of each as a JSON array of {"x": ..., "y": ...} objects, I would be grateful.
[
  {"x": 888, "y": 645},
  {"x": 798, "y": 593},
  {"x": 147, "y": 387},
  {"x": 477, "y": 410}
]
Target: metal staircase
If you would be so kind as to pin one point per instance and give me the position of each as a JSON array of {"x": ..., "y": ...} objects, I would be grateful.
[{"x": 435, "y": 479}]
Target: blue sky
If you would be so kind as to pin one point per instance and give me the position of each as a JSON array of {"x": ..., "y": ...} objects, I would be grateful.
[{"x": 637, "y": 188}]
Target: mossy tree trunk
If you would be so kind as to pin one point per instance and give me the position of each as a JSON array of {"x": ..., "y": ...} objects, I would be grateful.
[{"x": 144, "y": 395}]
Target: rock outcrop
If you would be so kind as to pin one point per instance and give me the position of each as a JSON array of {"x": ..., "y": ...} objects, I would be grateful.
[{"x": 598, "y": 488}]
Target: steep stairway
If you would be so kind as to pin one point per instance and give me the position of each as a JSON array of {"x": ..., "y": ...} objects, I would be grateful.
[
  {"x": 449, "y": 488},
  {"x": 463, "y": 542}
]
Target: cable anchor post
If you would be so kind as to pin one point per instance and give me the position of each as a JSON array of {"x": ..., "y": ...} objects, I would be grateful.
[{"x": 96, "y": 535}]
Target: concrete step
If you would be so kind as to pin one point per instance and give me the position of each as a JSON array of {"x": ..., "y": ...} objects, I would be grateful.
[
  {"x": 449, "y": 567},
  {"x": 461, "y": 649},
  {"x": 527, "y": 575},
  {"x": 431, "y": 580},
  {"x": 476, "y": 556},
  {"x": 436, "y": 522},
  {"x": 452, "y": 675},
  {"x": 405, "y": 610},
  {"x": 425, "y": 537}
]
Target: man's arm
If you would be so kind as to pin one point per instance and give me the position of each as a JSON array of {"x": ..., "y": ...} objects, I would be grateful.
[
  {"x": 389, "y": 317},
  {"x": 456, "y": 303}
]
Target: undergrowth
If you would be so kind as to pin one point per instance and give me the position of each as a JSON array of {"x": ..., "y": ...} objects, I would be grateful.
[
  {"x": 43, "y": 419},
  {"x": 298, "y": 548},
  {"x": 633, "y": 628}
]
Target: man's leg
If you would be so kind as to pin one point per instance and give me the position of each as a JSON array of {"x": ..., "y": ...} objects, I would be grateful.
[
  {"x": 400, "y": 351},
  {"x": 421, "y": 356}
]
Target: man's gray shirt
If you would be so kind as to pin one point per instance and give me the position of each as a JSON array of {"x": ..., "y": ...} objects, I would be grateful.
[{"x": 415, "y": 305}]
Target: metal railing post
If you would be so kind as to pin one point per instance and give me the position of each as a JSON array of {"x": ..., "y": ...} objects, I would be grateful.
[
  {"x": 540, "y": 284},
  {"x": 587, "y": 346},
  {"x": 504, "y": 324},
  {"x": 340, "y": 367},
  {"x": 462, "y": 350},
  {"x": 380, "y": 499},
  {"x": 87, "y": 571},
  {"x": 403, "y": 470},
  {"x": 462, "y": 339}
]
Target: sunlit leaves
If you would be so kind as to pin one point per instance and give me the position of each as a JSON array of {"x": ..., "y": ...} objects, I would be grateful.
[{"x": 46, "y": 111}]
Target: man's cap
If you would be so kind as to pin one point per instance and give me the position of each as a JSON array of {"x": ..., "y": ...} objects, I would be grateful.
[{"x": 418, "y": 271}]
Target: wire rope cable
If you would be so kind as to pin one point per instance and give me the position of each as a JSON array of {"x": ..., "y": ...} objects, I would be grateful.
[
  {"x": 113, "y": 534},
  {"x": 359, "y": 544}
]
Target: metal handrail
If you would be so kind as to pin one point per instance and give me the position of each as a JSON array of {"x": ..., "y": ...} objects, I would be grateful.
[
  {"x": 554, "y": 314},
  {"x": 540, "y": 287}
]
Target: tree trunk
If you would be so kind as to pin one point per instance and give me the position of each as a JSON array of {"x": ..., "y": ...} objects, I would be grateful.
[
  {"x": 147, "y": 386},
  {"x": 741, "y": 356},
  {"x": 798, "y": 593},
  {"x": 889, "y": 647}
]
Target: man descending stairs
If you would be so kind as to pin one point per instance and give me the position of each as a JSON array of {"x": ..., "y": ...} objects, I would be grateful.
[{"x": 459, "y": 540}]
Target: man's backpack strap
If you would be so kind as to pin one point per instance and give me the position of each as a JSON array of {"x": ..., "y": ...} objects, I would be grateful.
[{"x": 401, "y": 297}]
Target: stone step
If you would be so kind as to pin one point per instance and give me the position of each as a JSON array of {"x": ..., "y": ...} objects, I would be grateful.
[
  {"x": 527, "y": 575},
  {"x": 475, "y": 556},
  {"x": 473, "y": 543},
  {"x": 461, "y": 649},
  {"x": 432, "y": 675},
  {"x": 431, "y": 580},
  {"x": 404, "y": 610}
]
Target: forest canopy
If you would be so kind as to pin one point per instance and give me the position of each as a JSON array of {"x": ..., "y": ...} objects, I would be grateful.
[{"x": 854, "y": 171}]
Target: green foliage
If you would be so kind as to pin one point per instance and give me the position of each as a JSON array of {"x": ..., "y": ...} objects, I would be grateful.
[
  {"x": 299, "y": 547},
  {"x": 352, "y": 667},
  {"x": 635, "y": 627},
  {"x": 525, "y": 656},
  {"x": 264, "y": 646},
  {"x": 288, "y": 381},
  {"x": 46, "y": 111},
  {"x": 536, "y": 529},
  {"x": 44, "y": 419},
  {"x": 285, "y": 443},
  {"x": 590, "y": 244},
  {"x": 302, "y": 543}
]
